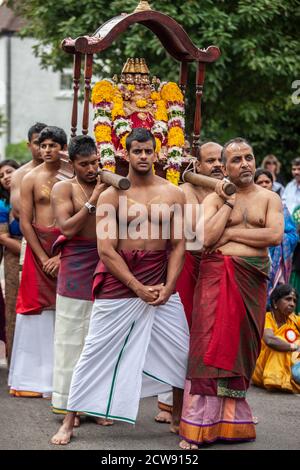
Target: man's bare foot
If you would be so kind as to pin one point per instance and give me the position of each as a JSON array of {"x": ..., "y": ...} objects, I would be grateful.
[
  {"x": 163, "y": 417},
  {"x": 187, "y": 445},
  {"x": 63, "y": 436},
  {"x": 104, "y": 422},
  {"x": 77, "y": 422},
  {"x": 255, "y": 419}
]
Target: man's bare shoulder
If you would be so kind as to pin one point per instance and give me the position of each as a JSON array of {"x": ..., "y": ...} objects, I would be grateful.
[
  {"x": 267, "y": 195},
  {"x": 35, "y": 171},
  {"x": 19, "y": 174},
  {"x": 110, "y": 195},
  {"x": 187, "y": 188},
  {"x": 63, "y": 186}
]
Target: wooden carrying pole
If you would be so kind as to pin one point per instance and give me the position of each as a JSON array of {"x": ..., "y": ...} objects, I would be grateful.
[
  {"x": 112, "y": 179},
  {"x": 207, "y": 182}
]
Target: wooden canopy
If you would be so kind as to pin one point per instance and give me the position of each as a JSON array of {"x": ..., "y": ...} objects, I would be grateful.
[{"x": 173, "y": 38}]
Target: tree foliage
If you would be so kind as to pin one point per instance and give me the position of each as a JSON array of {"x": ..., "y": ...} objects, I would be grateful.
[{"x": 247, "y": 91}]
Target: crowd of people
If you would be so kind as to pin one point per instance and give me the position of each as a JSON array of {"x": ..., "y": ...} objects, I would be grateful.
[{"x": 105, "y": 313}]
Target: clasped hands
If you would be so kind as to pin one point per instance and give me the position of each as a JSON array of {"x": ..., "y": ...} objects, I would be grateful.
[{"x": 154, "y": 295}]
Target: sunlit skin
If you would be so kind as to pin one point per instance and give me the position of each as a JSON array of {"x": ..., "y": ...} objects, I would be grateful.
[
  {"x": 264, "y": 182},
  {"x": 296, "y": 173}
]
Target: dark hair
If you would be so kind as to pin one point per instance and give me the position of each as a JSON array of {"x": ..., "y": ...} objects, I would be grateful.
[
  {"x": 236, "y": 140},
  {"x": 282, "y": 290},
  {"x": 81, "y": 145},
  {"x": 54, "y": 133},
  {"x": 140, "y": 135},
  {"x": 262, "y": 171},
  {"x": 4, "y": 193},
  {"x": 296, "y": 161},
  {"x": 35, "y": 129}
]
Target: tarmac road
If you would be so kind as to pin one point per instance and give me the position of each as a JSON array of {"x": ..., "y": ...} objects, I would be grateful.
[{"x": 28, "y": 424}]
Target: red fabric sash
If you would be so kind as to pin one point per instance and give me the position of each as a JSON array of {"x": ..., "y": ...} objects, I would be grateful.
[
  {"x": 149, "y": 267},
  {"x": 228, "y": 317},
  {"x": 37, "y": 291},
  {"x": 78, "y": 261},
  {"x": 186, "y": 283}
]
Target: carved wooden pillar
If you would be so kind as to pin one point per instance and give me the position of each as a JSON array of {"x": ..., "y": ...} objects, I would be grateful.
[
  {"x": 88, "y": 70},
  {"x": 183, "y": 76},
  {"x": 76, "y": 84},
  {"x": 197, "y": 119}
]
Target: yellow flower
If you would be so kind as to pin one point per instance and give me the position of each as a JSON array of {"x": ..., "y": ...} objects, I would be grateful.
[
  {"x": 118, "y": 109},
  {"x": 171, "y": 92},
  {"x": 155, "y": 96},
  {"x": 153, "y": 168},
  {"x": 103, "y": 133},
  {"x": 131, "y": 87},
  {"x": 102, "y": 91},
  {"x": 109, "y": 167},
  {"x": 175, "y": 137},
  {"x": 161, "y": 112},
  {"x": 158, "y": 144},
  {"x": 123, "y": 140},
  {"x": 141, "y": 103},
  {"x": 173, "y": 176}
]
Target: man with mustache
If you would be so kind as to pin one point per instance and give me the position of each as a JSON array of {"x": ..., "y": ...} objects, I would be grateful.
[
  {"x": 74, "y": 205},
  {"x": 229, "y": 303},
  {"x": 209, "y": 163}
]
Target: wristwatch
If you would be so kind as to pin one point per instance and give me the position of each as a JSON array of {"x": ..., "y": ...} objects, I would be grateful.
[{"x": 90, "y": 207}]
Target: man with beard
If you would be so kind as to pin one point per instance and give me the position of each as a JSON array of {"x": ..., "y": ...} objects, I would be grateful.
[
  {"x": 229, "y": 303},
  {"x": 138, "y": 328},
  {"x": 209, "y": 163},
  {"x": 74, "y": 205}
]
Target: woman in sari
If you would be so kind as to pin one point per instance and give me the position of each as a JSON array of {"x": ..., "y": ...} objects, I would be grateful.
[
  {"x": 281, "y": 255},
  {"x": 10, "y": 243},
  {"x": 280, "y": 341}
]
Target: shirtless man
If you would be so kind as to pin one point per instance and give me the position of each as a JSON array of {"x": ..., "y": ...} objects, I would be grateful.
[
  {"x": 37, "y": 293},
  {"x": 74, "y": 205},
  {"x": 209, "y": 164},
  {"x": 135, "y": 305},
  {"x": 34, "y": 147},
  {"x": 230, "y": 301}
]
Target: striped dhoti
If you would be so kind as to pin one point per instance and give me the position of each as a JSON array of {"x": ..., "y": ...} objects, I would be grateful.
[{"x": 132, "y": 350}]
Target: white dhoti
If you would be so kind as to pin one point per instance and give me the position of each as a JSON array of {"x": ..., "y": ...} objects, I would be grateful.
[
  {"x": 31, "y": 366},
  {"x": 128, "y": 340},
  {"x": 71, "y": 327}
]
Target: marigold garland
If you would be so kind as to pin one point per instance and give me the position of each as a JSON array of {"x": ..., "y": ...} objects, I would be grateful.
[
  {"x": 168, "y": 128},
  {"x": 141, "y": 103}
]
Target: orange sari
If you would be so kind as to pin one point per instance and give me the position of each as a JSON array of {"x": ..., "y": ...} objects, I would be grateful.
[{"x": 273, "y": 368}]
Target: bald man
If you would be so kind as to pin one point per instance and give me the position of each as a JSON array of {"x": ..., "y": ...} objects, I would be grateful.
[{"x": 209, "y": 163}]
